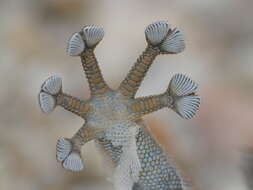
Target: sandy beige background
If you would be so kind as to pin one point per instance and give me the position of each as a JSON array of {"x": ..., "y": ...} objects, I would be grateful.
[{"x": 219, "y": 46}]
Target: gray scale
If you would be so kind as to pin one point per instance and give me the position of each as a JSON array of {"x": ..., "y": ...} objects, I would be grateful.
[
  {"x": 113, "y": 151},
  {"x": 156, "y": 171}
]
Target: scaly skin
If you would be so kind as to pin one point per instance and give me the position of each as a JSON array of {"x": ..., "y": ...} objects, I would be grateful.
[
  {"x": 157, "y": 172},
  {"x": 114, "y": 109},
  {"x": 113, "y": 118}
]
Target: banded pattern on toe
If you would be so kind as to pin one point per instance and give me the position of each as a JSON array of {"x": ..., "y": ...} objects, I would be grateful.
[
  {"x": 119, "y": 134},
  {"x": 129, "y": 166}
]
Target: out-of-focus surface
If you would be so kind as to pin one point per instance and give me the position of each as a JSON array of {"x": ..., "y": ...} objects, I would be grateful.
[{"x": 219, "y": 41}]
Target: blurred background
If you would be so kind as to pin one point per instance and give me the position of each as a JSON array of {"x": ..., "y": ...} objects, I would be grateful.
[{"x": 213, "y": 148}]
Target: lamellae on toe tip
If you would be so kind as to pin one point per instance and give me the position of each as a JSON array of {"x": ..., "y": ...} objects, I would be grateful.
[
  {"x": 92, "y": 35},
  {"x": 47, "y": 102},
  {"x": 73, "y": 162},
  {"x": 188, "y": 106},
  {"x": 181, "y": 85},
  {"x": 156, "y": 32},
  {"x": 63, "y": 148},
  {"x": 182, "y": 92},
  {"x": 76, "y": 45},
  {"x": 52, "y": 85},
  {"x": 173, "y": 43}
]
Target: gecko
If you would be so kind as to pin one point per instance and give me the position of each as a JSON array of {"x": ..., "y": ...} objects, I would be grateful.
[{"x": 113, "y": 117}]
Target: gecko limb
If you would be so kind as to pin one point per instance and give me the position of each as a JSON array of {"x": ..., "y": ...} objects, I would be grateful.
[
  {"x": 133, "y": 80},
  {"x": 72, "y": 104},
  {"x": 68, "y": 151},
  {"x": 162, "y": 39},
  {"x": 149, "y": 104},
  {"x": 83, "y": 44},
  {"x": 180, "y": 96},
  {"x": 51, "y": 95}
]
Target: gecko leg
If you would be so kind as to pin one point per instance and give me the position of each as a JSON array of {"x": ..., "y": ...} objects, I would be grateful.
[
  {"x": 131, "y": 83},
  {"x": 162, "y": 39},
  {"x": 180, "y": 96},
  {"x": 51, "y": 95},
  {"x": 68, "y": 151},
  {"x": 83, "y": 44}
]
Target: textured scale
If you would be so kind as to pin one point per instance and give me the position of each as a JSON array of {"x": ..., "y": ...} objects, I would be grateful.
[
  {"x": 113, "y": 118},
  {"x": 113, "y": 152},
  {"x": 128, "y": 168},
  {"x": 93, "y": 73},
  {"x": 131, "y": 83},
  {"x": 156, "y": 170},
  {"x": 149, "y": 104},
  {"x": 72, "y": 104}
]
